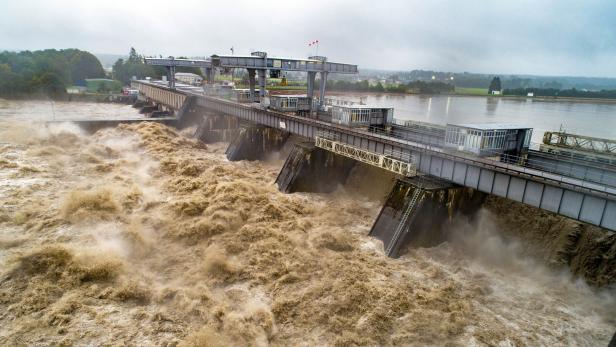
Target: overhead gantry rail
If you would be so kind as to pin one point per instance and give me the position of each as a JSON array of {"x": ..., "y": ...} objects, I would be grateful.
[
  {"x": 258, "y": 63},
  {"x": 201, "y": 63},
  {"x": 580, "y": 142},
  {"x": 171, "y": 63},
  {"x": 262, "y": 61}
]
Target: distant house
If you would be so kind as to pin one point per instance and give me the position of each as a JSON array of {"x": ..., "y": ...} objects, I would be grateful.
[
  {"x": 496, "y": 92},
  {"x": 530, "y": 94},
  {"x": 188, "y": 78}
]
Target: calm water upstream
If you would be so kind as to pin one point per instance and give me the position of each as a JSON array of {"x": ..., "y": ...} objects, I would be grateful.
[
  {"x": 590, "y": 119},
  {"x": 593, "y": 119}
]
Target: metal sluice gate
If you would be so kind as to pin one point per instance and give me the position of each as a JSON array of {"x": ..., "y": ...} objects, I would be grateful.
[{"x": 405, "y": 168}]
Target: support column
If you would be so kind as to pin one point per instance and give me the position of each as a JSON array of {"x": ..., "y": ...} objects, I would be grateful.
[
  {"x": 312, "y": 169},
  {"x": 322, "y": 89},
  {"x": 171, "y": 76},
  {"x": 311, "y": 77},
  {"x": 188, "y": 114},
  {"x": 256, "y": 143},
  {"x": 419, "y": 210},
  {"x": 251, "y": 83},
  {"x": 217, "y": 128},
  {"x": 209, "y": 75},
  {"x": 148, "y": 109},
  {"x": 262, "y": 81},
  {"x": 310, "y": 91}
]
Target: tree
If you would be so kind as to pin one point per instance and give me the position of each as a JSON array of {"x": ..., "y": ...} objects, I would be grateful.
[
  {"x": 124, "y": 70},
  {"x": 495, "y": 85},
  {"x": 85, "y": 65},
  {"x": 8, "y": 79},
  {"x": 51, "y": 85},
  {"x": 45, "y": 72},
  {"x": 133, "y": 57}
]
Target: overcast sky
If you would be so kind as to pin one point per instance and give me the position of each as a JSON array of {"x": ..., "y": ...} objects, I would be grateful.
[{"x": 549, "y": 37}]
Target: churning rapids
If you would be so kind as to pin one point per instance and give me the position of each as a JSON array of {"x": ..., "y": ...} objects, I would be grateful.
[{"x": 141, "y": 235}]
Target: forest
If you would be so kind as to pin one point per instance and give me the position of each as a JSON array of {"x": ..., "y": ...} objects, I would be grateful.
[{"x": 46, "y": 72}]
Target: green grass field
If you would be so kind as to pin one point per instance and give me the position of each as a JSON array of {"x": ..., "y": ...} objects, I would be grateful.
[{"x": 471, "y": 91}]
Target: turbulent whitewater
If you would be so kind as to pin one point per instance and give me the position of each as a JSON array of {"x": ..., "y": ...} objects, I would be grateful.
[{"x": 141, "y": 235}]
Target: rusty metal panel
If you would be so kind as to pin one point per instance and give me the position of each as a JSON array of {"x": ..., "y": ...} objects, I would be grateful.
[{"x": 533, "y": 193}]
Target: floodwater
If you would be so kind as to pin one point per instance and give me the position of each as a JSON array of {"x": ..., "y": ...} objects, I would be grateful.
[
  {"x": 584, "y": 118},
  {"x": 140, "y": 235}
]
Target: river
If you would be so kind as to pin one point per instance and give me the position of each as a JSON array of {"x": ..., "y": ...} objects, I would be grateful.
[
  {"x": 584, "y": 118},
  {"x": 140, "y": 235}
]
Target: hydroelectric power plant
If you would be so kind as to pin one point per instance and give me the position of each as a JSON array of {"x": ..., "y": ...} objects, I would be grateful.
[
  {"x": 437, "y": 166},
  {"x": 209, "y": 213}
]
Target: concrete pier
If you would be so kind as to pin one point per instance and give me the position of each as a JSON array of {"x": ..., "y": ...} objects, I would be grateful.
[
  {"x": 147, "y": 109},
  {"x": 419, "y": 210},
  {"x": 217, "y": 128},
  {"x": 312, "y": 169},
  {"x": 255, "y": 143}
]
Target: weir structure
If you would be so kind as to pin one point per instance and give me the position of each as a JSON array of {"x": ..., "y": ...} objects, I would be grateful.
[
  {"x": 435, "y": 179},
  {"x": 418, "y": 211},
  {"x": 575, "y": 196}
]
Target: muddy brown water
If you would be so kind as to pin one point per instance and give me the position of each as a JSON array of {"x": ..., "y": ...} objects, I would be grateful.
[{"x": 140, "y": 235}]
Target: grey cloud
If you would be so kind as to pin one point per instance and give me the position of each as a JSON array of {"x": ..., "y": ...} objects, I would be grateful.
[{"x": 540, "y": 37}]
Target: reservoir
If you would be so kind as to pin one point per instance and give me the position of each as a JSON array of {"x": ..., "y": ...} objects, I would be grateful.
[{"x": 583, "y": 118}]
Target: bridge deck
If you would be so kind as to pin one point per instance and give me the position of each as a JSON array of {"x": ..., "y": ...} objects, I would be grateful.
[{"x": 569, "y": 196}]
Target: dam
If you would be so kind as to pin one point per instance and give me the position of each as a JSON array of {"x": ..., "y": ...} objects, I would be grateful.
[{"x": 555, "y": 181}]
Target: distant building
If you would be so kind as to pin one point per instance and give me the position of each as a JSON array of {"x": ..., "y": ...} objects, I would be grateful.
[
  {"x": 103, "y": 85},
  {"x": 496, "y": 92},
  {"x": 489, "y": 139},
  {"x": 531, "y": 94},
  {"x": 188, "y": 78},
  {"x": 358, "y": 115},
  {"x": 75, "y": 89},
  {"x": 290, "y": 103}
]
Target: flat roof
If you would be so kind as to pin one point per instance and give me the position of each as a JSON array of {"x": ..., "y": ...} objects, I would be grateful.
[
  {"x": 359, "y": 106},
  {"x": 187, "y": 74},
  {"x": 490, "y": 126},
  {"x": 289, "y": 96}
]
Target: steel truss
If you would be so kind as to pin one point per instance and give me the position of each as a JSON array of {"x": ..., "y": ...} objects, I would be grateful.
[{"x": 386, "y": 162}]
